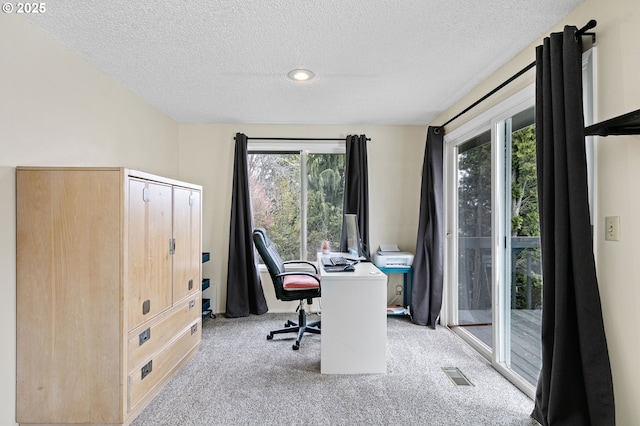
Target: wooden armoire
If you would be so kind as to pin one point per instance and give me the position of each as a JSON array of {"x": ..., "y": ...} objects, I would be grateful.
[{"x": 108, "y": 291}]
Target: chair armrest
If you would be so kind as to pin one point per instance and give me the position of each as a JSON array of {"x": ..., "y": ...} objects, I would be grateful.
[{"x": 288, "y": 262}]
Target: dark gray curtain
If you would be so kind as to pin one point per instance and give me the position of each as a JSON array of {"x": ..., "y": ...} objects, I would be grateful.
[
  {"x": 244, "y": 287},
  {"x": 426, "y": 294},
  {"x": 356, "y": 189},
  {"x": 575, "y": 386}
]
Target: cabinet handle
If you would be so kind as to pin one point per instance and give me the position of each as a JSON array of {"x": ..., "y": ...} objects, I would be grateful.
[
  {"x": 144, "y": 336},
  {"x": 194, "y": 328},
  {"x": 146, "y": 307},
  {"x": 191, "y": 284},
  {"x": 146, "y": 369}
]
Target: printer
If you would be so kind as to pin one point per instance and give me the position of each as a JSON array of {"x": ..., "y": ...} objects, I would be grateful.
[{"x": 390, "y": 256}]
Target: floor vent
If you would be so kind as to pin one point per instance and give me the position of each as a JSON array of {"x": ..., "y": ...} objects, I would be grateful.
[{"x": 456, "y": 376}]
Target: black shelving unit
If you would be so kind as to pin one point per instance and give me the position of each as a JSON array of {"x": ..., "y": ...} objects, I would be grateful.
[
  {"x": 207, "y": 311},
  {"x": 626, "y": 124}
]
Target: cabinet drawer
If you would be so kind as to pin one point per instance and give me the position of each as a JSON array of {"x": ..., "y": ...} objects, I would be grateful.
[
  {"x": 144, "y": 342},
  {"x": 144, "y": 378}
]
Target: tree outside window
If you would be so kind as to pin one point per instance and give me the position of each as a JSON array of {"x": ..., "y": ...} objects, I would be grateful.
[{"x": 297, "y": 197}]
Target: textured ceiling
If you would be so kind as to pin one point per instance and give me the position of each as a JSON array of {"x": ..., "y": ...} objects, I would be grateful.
[{"x": 376, "y": 62}]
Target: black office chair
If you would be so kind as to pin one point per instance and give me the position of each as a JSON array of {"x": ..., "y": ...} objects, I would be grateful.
[{"x": 298, "y": 285}]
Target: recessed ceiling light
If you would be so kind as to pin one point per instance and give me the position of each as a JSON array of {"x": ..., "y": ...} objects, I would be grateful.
[{"x": 300, "y": 75}]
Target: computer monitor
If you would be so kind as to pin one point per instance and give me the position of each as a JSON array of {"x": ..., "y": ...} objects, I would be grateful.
[{"x": 354, "y": 242}]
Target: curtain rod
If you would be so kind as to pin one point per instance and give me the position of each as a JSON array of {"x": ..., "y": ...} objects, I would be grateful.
[
  {"x": 580, "y": 33},
  {"x": 583, "y": 31},
  {"x": 482, "y": 99},
  {"x": 299, "y": 139}
]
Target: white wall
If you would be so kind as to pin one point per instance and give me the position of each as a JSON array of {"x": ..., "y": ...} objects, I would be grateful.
[
  {"x": 55, "y": 109},
  {"x": 618, "y": 174},
  {"x": 395, "y": 155}
]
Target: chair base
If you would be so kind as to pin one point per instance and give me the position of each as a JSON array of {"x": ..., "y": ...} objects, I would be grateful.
[{"x": 300, "y": 328}]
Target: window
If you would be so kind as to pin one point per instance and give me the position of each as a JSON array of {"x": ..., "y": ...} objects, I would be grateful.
[{"x": 297, "y": 196}]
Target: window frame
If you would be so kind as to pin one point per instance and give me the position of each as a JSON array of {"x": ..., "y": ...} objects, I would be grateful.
[{"x": 303, "y": 148}]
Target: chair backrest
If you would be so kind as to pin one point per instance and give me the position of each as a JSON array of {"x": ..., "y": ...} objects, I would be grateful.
[{"x": 271, "y": 258}]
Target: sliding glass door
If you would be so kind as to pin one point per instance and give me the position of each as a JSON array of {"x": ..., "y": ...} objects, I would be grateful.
[
  {"x": 493, "y": 249},
  {"x": 493, "y": 278},
  {"x": 474, "y": 255},
  {"x": 522, "y": 257}
]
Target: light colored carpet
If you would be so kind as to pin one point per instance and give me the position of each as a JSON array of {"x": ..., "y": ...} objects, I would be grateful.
[{"x": 241, "y": 378}]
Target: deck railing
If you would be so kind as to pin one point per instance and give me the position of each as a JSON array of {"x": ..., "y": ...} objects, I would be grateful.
[{"x": 474, "y": 256}]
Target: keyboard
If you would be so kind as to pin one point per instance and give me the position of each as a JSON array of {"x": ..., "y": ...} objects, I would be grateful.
[
  {"x": 334, "y": 261},
  {"x": 338, "y": 260}
]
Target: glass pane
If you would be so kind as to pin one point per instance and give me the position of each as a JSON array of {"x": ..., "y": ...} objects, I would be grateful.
[
  {"x": 274, "y": 182},
  {"x": 325, "y": 188},
  {"x": 474, "y": 237},
  {"x": 525, "y": 265}
]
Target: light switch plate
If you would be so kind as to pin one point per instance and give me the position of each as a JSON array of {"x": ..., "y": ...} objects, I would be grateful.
[{"x": 612, "y": 228}]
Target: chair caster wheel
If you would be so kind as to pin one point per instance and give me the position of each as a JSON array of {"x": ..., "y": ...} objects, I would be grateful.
[
  {"x": 269, "y": 336},
  {"x": 296, "y": 346}
]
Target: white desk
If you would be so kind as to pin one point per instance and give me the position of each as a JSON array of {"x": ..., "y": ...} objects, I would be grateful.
[{"x": 354, "y": 320}]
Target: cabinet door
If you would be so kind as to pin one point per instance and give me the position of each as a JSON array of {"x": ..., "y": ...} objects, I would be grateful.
[
  {"x": 149, "y": 259},
  {"x": 186, "y": 231}
]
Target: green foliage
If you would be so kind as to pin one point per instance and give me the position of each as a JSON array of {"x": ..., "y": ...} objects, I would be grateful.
[
  {"x": 524, "y": 189},
  {"x": 276, "y": 197},
  {"x": 475, "y": 222},
  {"x": 325, "y": 190},
  {"x": 516, "y": 223},
  {"x": 474, "y": 189},
  {"x": 527, "y": 282}
]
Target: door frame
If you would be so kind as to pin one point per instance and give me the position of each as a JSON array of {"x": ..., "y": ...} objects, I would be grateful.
[{"x": 493, "y": 119}]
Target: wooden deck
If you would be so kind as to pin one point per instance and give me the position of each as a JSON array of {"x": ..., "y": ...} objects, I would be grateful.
[{"x": 525, "y": 338}]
